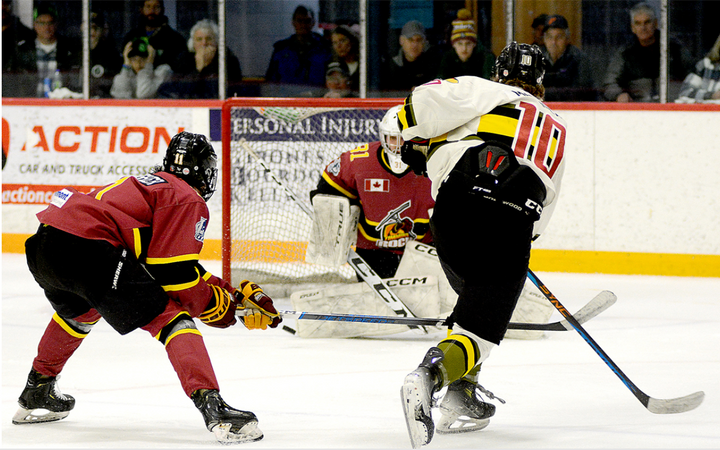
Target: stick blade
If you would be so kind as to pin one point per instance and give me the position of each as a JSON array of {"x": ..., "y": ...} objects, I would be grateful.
[{"x": 675, "y": 405}]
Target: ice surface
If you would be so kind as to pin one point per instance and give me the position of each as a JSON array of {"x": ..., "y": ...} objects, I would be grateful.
[{"x": 663, "y": 332}]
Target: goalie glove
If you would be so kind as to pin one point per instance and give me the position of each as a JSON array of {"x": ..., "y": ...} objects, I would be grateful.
[
  {"x": 256, "y": 308},
  {"x": 220, "y": 312}
]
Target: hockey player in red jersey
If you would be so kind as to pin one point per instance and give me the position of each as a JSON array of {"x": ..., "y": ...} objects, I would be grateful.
[
  {"x": 494, "y": 153},
  {"x": 394, "y": 201},
  {"x": 128, "y": 253}
]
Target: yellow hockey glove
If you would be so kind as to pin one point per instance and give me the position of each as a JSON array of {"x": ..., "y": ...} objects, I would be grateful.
[{"x": 256, "y": 308}]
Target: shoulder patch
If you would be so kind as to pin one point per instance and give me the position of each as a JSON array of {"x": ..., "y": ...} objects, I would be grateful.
[
  {"x": 149, "y": 179},
  {"x": 200, "y": 228},
  {"x": 334, "y": 167},
  {"x": 60, "y": 197}
]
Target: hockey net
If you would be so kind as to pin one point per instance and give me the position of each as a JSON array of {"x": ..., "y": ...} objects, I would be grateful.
[{"x": 265, "y": 233}]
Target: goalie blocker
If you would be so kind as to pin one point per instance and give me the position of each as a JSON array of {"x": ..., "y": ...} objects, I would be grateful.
[
  {"x": 334, "y": 230},
  {"x": 423, "y": 287}
]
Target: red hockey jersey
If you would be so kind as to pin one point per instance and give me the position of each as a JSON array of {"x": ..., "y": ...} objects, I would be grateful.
[
  {"x": 158, "y": 217},
  {"x": 394, "y": 206}
]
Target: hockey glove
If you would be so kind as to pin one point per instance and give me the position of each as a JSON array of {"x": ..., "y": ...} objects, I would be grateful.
[
  {"x": 414, "y": 154},
  {"x": 256, "y": 308},
  {"x": 220, "y": 312}
]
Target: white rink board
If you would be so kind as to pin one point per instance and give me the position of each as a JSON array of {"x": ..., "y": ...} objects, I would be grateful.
[{"x": 635, "y": 181}]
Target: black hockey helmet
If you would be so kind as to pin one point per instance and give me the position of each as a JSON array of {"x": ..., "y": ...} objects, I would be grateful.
[
  {"x": 524, "y": 62},
  {"x": 191, "y": 157}
]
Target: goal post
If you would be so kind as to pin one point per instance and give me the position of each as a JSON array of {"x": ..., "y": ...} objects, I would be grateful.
[{"x": 265, "y": 233}]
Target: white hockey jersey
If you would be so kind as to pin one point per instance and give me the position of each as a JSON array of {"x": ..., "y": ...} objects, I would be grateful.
[{"x": 456, "y": 112}]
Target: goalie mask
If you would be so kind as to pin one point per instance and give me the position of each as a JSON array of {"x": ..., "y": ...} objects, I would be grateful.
[
  {"x": 522, "y": 62},
  {"x": 191, "y": 157},
  {"x": 392, "y": 140}
]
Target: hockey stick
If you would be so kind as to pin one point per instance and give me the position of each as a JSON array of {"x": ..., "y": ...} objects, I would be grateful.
[
  {"x": 598, "y": 304},
  {"x": 654, "y": 405},
  {"x": 369, "y": 276}
]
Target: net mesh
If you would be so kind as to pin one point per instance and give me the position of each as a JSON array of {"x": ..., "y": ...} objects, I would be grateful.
[{"x": 268, "y": 230}]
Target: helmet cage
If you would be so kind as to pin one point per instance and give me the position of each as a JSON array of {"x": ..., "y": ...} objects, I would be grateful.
[{"x": 389, "y": 128}]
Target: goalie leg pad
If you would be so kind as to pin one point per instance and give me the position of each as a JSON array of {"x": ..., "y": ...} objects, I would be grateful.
[
  {"x": 532, "y": 307},
  {"x": 419, "y": 294},
  {"x": 420, "y": 258},
  {"x": 334, "y": 230}
]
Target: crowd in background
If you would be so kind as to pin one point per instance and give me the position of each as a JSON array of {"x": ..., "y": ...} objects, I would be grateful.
[{"x": 156, "y": 61}]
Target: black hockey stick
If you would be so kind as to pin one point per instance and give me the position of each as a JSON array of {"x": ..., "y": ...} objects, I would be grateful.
[
  {"x": 362, "y": 268},
  {"x": 598, "y": 304},
  {"x": 654, "y": 405}
]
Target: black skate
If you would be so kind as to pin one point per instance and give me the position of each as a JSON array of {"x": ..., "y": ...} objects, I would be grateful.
[
  {"x": 417, "y": 398},
  {"x": 41, "y": 401},
  {"x": 463, "y": 410},
  {"x": 230, "y": 425}
]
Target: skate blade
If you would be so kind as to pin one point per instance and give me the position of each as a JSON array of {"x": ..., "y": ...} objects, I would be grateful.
[
  {"x": 419, "y": 424},
  {"x": 248, "y": 433},
  {"x": 450, "y": 423},
  {"x": 25, "y": 416}
]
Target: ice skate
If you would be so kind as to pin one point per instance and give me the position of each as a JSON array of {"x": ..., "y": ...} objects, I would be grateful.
[
  {"x": 417, "y": 398},
  {"x": 463, "y": 410},
  {"x": 41, "y": 401},
  {"x": 230, "y": 425}
]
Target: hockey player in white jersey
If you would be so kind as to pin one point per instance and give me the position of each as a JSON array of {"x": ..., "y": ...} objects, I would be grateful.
[{"x": 494, "y": 154}]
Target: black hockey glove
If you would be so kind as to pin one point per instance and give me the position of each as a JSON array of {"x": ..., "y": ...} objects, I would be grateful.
[{"x": 414, "y": 154}]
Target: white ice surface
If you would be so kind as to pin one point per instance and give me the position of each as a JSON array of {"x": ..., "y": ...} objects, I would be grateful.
[{"x": 663, "y": 332}]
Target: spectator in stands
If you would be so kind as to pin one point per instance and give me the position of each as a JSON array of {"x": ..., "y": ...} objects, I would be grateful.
[
  {"x": 139, "y": 78},
  {"x": 200, "y": 69},
  {"x": 538, "y": 26},
  {"x": 105, "y": 60},
  {"x": 411, "y": 66},
  {"x": 39, "y": 58},
  {"x": 567, "y": 76},
  {"x": 703, "y": 84},
  {"x": 468, "y": 56},
  {"x": 170, "y": 46},
  {"x": 346, "y": 50},
  {"x": 633, "y": 72},
  {"x": 337, "y": 81},
  {"x": 302, "y": 58},
  {"x": 14, "y": 34}
]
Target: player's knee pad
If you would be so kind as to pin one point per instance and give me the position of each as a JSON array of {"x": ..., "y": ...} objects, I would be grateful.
[
  {"x": 180, "y": 324},
  {"x": 73, "y": 327}
]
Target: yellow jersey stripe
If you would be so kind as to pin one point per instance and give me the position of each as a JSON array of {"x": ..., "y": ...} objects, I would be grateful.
[
  {"x": 174, "y": 259},
  {"x": 99, "y": 195},
  {"x": 326, "y": 177}
]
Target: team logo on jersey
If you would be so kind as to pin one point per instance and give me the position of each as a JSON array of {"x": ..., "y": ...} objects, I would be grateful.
[
  {"x": 149, "y": 179},
  {"x": 334, "y": 167},
  {"x": 60, "y": 197},
  {"x": 377, "y": 185},
  {"x": 200, "y": 228},
  {"x": 395, "y": 229}
]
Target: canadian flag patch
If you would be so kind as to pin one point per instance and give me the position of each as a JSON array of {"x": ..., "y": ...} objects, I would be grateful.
[{"x": 377, "y": 185}]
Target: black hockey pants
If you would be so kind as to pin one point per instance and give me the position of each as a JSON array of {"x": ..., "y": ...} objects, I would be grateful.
[
  {"x": 78, "y": 274},
  {"x": 484, "y": 249}
]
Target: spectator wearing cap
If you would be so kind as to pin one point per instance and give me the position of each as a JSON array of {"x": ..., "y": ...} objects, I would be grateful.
[
  {"x": 139, "y": 78},
  {"x": 633, "y": 72},
  {"x": 42, "y": 56},
  {"x": 302, "y": 58},
  {"x": 105, "y": 60},
  {"x": 538, "y": 27},
  {"x": 411, "y": 66},
  {"x": 337, "y": 81},
  {"x": 346, "y": 50},
  {"x": 567, "y": 77},
  {"x": 468, "y": 56},
  {"x": 170, "y": 46}
]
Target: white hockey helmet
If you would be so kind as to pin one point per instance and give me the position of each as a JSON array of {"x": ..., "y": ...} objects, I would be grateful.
[{"x": 391, "y": 139}]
